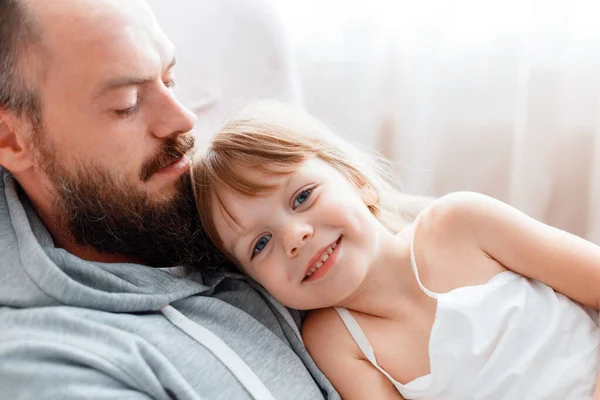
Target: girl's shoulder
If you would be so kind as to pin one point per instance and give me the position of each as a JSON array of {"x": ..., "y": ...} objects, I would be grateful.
[
  {"x": 447, "y": 218},
  {"x": 445, "y": 242},
  {"x": 454, "y": 207}
]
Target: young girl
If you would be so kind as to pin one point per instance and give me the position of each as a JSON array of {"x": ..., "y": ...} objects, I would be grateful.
[{"x": 474, "y": 300}]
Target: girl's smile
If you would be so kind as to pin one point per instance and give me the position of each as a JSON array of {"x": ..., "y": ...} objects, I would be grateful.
[
  {"x": 322, "y": 262},
  {"x": 310, "y": 239}
]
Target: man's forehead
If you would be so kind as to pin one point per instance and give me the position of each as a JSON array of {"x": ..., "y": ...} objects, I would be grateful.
[
  {"x": 103, "y": 35},
  {"x": 70, "y": 15}
]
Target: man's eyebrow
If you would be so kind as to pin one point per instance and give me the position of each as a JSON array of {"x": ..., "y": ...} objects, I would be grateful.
[{"x": 124, "y": 81}]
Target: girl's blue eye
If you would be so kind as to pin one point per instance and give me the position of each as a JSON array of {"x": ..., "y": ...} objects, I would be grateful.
[
  {"x": 301, "y": 198},
  {"x": 261, "y": 244}
]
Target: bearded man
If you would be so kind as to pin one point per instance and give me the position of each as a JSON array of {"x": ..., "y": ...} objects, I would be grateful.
[{"x": 95, "y": 203}]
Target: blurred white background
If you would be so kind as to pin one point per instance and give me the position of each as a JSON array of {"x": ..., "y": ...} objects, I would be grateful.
[{"x": 500, "y": 97}]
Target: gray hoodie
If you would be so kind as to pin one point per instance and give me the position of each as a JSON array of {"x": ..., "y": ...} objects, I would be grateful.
[{"x": 70, "y": 328}]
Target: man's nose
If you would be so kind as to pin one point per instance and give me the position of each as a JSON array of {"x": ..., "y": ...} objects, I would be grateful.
[
  {"x": 295, "y": 237},
  {"x": 172, "y": 118}
]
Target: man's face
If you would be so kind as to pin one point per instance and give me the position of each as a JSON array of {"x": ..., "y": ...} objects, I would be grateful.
[{"x": 113, "y": 145}]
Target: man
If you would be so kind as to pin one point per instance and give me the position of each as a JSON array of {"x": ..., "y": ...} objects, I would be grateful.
[{"x": 94, "y": 196}]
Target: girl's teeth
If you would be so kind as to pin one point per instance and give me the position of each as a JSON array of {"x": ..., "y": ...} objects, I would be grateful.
[
  {"x": 314, "y": 269},
  {"x": 323, "y": 259}
]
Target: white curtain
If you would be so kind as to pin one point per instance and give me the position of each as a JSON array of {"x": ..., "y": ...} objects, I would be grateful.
[
  {"x": 229, "y": 52},
  {"x": 500, "y": 97}
]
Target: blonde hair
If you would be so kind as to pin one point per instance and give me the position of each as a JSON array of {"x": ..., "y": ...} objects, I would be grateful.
[{"x": 272, "y": 138}]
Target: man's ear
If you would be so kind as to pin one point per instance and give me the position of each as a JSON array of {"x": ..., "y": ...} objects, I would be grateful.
[{"x": 15, "y": 154}]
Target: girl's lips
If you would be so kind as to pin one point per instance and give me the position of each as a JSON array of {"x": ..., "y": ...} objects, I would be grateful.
[{"x": 326, "y": 265}]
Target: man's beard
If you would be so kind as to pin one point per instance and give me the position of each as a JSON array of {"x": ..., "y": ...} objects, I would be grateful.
[{"x": 97, "y": 209}]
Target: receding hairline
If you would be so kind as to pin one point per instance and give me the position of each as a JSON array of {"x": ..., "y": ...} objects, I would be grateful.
[
  {"x": 87, "y": 23},
  {"x": 25, "y": 65}
]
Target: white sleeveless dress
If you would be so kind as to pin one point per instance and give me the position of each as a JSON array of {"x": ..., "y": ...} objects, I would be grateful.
[{"x": 512, "y": 338}]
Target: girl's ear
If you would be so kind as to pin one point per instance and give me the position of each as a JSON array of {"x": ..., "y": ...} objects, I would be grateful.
[{"x": 369, "y": 195}]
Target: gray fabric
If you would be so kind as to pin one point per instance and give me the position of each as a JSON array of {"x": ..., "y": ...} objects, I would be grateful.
[{"x": 76, "y": 329}]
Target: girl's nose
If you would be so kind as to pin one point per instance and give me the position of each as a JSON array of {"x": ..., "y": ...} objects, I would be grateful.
[{"x": 296, "y": 237}]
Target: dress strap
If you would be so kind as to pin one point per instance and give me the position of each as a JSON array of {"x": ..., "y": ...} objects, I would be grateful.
[
  {"x": 361, "y": 340},
  {"x": 413, "y": 260}
]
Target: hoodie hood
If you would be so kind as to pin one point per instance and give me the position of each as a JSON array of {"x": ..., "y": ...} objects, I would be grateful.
[{"x": 36, "y": 274}]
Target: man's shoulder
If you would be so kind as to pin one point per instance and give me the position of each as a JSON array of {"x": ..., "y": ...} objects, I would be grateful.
[
  {"x": 48, "y": 321},
  {"x": 63, "y": 334}
]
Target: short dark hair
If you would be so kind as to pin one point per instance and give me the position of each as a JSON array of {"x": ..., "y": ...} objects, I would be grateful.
[{"x": 18, "y": 34}]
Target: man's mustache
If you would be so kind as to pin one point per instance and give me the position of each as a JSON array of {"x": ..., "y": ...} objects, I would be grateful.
[{"x": 172, "y": 151}]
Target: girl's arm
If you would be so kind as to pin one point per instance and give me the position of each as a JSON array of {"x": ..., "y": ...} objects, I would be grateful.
[
  {"x": 339, "y": 358},
  {"x": 565, "y": 262}
]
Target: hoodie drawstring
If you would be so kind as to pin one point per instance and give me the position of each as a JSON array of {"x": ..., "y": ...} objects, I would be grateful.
[{"x": 222, "y": 351}]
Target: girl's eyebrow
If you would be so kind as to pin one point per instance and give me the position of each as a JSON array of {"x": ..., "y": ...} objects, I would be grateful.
[
  {"x": 233, "y": 223},
  {"x": 239, "y": 240},
  {"x": 235, "y": 246},
  {"x": 288, "y": 180},
  {"x": 241, "y": 230}
]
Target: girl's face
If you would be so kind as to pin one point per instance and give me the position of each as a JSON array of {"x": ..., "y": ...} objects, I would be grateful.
[{"x": 310, "y": 242}]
